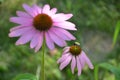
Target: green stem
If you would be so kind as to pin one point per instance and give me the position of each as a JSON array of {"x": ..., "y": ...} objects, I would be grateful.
[
  {"x": 42, "y": 62},
  {"x": 96, "y": 72},
  {"x": 38, "y": 72}
]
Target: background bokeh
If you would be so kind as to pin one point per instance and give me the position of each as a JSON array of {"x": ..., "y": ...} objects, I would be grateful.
[{"x": 98, "y": 24}]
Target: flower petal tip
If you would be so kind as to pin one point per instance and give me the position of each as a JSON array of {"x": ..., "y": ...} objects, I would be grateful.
[
  {"x": 17, "y": 44},
  {"x": 11, "y": 19},
  {"x": 46, "y": 6},
  {"x": 72, "y": 72},
  {"x": 36, "y": 50},
  {"x": 70, "y": 15},
  {"x": 79, "y": 74},
  {"x": 31, "y": 46},
  {"x": 74, "y": 38},
  {"x": 61, "y": 68},
  {"x": 91, "y": 67},
  {"x": 9, "y": 35},
  {"x": 75, "y": 29},
  {"x": 24, "y": 4},
  {"x": 58, "y": 62}
]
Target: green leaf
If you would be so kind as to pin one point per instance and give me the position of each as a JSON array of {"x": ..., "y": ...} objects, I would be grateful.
[
  {"x": 114, "y": 70},
  {"x": 116, "y": 33},
  {"x": 25, "y": 76}
]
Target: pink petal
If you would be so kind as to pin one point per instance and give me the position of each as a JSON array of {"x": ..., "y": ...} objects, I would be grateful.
[
  {"x": 65, "y": 25},
  {"x": 35, "y": 40},
  {"x": 46, "y": 9},
  {"x": 82, "y": 61},
  {"x": 67, "y": 34},
  {"x": 23, "y": 14},
  {"x": 73, "y": 64},
  {"x": 16, "y": 28},
  {"x": 19, "y": 31},
  {"x": 29, "y": 10},
  {"x": 60, "y": 34},
  {"x": 53, "y": 10},
  {"x": 87, "y": 60},
  {"x": 65, "y": 51},
  {"x": 79, "y": 66},
  {"x": 49, "y": 41},
  {"x": 61, "y": 17},
  {"x": 66, "y": 48},
  {"x": 40, "y": 42},
  {"x": 21, "y": 20},
  {"x": 37, "y": 9},
  {"x": 63, "y": 58},
  {"x": 56, "y": 39},
  {"x": 64, "y": 34},
  {"x": 26, "y": 37},
  {"x": 66, "y": 62}
]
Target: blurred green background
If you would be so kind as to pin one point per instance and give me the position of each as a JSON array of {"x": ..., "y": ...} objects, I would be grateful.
[{"x": 98, "y": 24}]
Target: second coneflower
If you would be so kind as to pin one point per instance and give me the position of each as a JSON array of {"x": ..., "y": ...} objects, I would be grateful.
[
  {"x": 38, "y": 23},
  {"x": 76, "y": 56}
]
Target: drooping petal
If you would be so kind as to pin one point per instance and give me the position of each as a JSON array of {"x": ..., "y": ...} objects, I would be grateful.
[
  {"x": 87, "y": 60},
  {"x": 23, "y": 14},
  {"x": 73, "y": 64},
  {"x": 61, "y": 17},
  {"x": 56, "y": 39},
  {"x": 49, "y": 41},
  {"x": 82, "y": 61},
  {"x": 66, "y": 48},
  {"x": 63, "y": 58},
  {"x": 40, "y": 42},
  {"x": 64, "y": 34},
  {"x": 19, "y": 31},
  {"x": 60, "y": 34},
  {"x": 65, "y": 25},
  {"x": 29, "y": 10},
  {"x": 26, "y": 37},
  {"x": 79, "y": 66},
  {"x": 66, "y": 62},
  {"x": 35, "y": 40},
  {"x": 65, "y": 51},
  {"x": 22, "y": 21}
]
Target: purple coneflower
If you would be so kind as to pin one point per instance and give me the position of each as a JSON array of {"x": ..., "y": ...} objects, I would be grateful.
[
  {"x": 76, "y": 56},
  {"x": 37, "y": 24}
]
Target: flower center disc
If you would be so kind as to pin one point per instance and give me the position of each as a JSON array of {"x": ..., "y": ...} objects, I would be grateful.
[
  {"x": 75, "y": 50},
  {"x": 42, "y": 22}
]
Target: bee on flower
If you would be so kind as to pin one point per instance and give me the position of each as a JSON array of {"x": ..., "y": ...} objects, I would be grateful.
[{"x": 75, "y": 56}]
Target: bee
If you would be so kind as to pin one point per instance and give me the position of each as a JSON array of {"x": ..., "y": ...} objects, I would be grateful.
[{"x": 77, "y": 43}]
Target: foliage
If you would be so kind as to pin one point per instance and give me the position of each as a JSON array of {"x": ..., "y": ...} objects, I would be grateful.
[
  {"x": 116, "y": 33},
  {"x": 89, "y": 15},
  {"x": 26, "y": 76}
]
